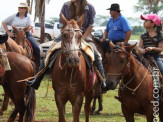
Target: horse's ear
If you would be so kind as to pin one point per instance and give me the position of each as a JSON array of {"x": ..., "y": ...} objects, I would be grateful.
[
  {"x": 111, "y": 45},
  {"x": 81, "y": 20},
  {"x": 63, "y": 19},
  {"x": 14, "y": 28},
  {"x": 26, "y": 28},
  {"x": 129, "y": 48}
]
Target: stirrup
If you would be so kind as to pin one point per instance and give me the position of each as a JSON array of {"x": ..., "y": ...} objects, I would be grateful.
[
  {"x": 103, "y": 83},
  {"x": 30, "y": 82}
]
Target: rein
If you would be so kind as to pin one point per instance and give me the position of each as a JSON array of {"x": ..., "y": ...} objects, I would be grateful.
[{"x": 133, "y": 90}]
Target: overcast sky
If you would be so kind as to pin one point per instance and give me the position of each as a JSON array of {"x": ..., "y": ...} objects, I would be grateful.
[{"x": 9, "y": 7}]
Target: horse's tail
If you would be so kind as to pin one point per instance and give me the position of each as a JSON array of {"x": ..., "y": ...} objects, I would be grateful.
[{"x": 30, "y": 104}]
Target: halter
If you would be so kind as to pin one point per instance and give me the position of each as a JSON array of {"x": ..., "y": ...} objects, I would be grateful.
[
  {"x": 74, "y": 30},
  {"x": 118, "y": 49},
  {"x": 64, "y": 50}
]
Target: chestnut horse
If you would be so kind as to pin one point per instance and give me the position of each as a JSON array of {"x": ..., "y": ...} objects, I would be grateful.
[
  {"x": 70, "y": 73},
  {"x": 22, "y": 46},
  {"x": 22, "y": 96},
  {"x": 138, "y": 93}
]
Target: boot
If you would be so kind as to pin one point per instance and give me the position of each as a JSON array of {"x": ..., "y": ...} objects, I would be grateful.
[
  {"x": 100, "y": 68},
  {"x": 35, "y": 83}
]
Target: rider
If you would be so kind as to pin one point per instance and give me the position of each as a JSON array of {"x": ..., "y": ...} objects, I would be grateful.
[
  {"x": 151, "y": 42},
  {"x": 21, "y": 20},
  {"x": 118, "y": 28},
  {"x": 73, "y": 10}
]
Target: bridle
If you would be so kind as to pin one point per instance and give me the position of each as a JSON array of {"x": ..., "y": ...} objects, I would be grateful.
[
  {"x": 74, "y": 30},
  {"x": 117, "y": 50},
  {"x": 64, "y": 50}
]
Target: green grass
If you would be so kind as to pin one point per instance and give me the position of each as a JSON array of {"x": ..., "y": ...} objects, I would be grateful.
[
  {"x": 135, "y": 37},
  {"x": 46, "y": 110}
]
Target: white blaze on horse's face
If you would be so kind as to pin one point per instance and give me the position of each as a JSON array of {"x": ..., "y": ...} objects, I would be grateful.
[{"x": 72, "y": 40}]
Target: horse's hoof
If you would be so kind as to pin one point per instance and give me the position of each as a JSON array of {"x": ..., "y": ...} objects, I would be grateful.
[
  {"x": 1, "y": 112},
  {"x": 118, "y": 98},
  {"x": 97, "y": 113},
  {"x": 91, "y": 112}
]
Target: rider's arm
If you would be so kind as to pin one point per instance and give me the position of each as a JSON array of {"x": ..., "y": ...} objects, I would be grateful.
[
  {"x": 159, "y": 48},
  {"x": 87, "y": 32},
  {"x": 140, "y": 47},
  {"x": 105, "y": 35},
  {"x": 9, "y": 33},
  {"x": 8, "y": 21},
  {"x": 128, "y": 34},
  {"x": 5, "y": 27}
]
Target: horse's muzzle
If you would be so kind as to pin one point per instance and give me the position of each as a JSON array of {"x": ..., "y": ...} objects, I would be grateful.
[{"x": 72, "y": 62}]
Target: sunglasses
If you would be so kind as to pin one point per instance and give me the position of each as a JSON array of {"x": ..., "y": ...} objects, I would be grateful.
[{"x": 22, "y": 7}]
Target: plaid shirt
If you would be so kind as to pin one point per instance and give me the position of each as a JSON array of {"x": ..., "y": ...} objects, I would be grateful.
[{"x": 89, "y": 15}]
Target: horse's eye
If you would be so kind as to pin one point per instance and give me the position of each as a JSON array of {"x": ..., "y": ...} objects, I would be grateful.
[
  {"x": 80, "y": 36},
  {"x": 122, "y": 61},
  {"x": 65, "y": 35}
]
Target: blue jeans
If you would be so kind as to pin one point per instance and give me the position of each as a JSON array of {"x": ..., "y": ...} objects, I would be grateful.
[
  {"x": 159, "y": 63},
  {"x": 36, "y": 49}
]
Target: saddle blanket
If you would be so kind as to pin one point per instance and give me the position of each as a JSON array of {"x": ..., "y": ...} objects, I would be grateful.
[{"x": 86, "y": 47}]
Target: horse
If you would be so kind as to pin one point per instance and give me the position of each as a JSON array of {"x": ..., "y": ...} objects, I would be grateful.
[
  {"x": 137, "y": 91},
  {"x": 70, "y": 73},
  {"x": 21, "y": 46},
  {"x": 103, "y": 48},
  {"x": 22, "y": 96}
]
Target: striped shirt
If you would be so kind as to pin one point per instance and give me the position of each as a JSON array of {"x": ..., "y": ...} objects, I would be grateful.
[{"x": 151, "y": 41}]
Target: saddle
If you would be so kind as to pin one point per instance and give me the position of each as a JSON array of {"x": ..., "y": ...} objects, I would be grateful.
[{"x": 148, "y": 61}]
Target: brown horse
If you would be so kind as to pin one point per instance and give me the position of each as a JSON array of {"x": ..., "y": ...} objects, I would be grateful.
[
  {"x": 137, "y": 93},
  {"x": 103, "y": 49},
  {"x": 22, "y": 46},
  {"x": 70, "y": 73},
  {"x": 22, "y": 96}
]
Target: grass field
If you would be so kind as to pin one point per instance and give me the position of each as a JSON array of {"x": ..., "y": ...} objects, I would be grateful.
[{"x": 46, "y": 110}]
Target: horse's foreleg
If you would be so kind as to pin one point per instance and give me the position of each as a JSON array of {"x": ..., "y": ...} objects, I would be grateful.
[
  {"x": 93, "y": 106},
  {"x": 5, "y": 103},
  {"x": 76, "y": 107},
  {"x": 87, "y": 106},
  {"x": 61, "y": 107},
  {"x": 13, "y": 115},
  {"x": 100, "y": 104},
  {"x": 127, "y": 114}
]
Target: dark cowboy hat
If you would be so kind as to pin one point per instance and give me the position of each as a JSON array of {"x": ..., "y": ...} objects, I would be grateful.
[{"x": 115, "y": 7}]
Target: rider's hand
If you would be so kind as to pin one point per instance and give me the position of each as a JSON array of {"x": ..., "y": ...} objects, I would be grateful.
[
  {"x": 102, "y": 40},
  {"x": 10, "y": 34},
  {"x": 142, "y": 51},
  {"x": 149, "y": 49}
]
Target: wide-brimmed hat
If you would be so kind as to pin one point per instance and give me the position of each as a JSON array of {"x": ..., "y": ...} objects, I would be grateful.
[
  {"x": 115, "y": 7},
  {"x": 24, "y": 4},
  {"x": 153, "y": 17}
]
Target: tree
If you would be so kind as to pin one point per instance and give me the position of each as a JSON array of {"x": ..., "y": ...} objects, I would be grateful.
[
  {"x": 40, "y": 14},
  {"x": 149, "y": 6}
]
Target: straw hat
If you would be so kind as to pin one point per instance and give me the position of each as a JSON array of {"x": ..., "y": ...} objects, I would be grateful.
[{"x": 24, "y": 4}]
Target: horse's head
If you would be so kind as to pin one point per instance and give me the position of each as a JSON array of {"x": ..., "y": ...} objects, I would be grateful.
[
  {"x": 118, "y": 61},
  {"x": 20, "y": 34},
  {"x": 71, "y": 40}
]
